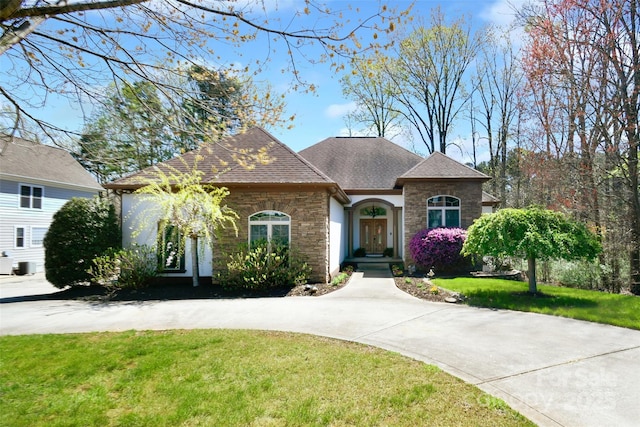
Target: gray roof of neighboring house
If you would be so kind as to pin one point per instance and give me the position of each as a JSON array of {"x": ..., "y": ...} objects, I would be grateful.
[
  {"x": 489, "y": 199},
  {"x": 361, "y": 163},
  {"x": 440, "y": 166},
  {"x": 22, "y": 159},
  {"x": 222, "y": 164}
]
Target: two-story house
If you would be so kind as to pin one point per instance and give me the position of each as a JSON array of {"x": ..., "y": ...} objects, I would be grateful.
[{"x": 35, "y": 182}]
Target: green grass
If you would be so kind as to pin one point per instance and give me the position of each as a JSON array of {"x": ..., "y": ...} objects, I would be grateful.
[
  {"x": 228, "y": 378},
  {"x": 594, "y": 306}
]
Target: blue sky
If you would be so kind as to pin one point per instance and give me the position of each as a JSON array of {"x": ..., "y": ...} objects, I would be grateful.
[{"x": 320, "y": 115}]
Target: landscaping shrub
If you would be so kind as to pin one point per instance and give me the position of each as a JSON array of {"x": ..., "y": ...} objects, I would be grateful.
[
  {"x": 438, "y": 248},
  {"x": 360, "y": 253},
  {"x": 81, "y": 230},
  {"x": 132, "y": 268},
  {"x": 264, "y": 267},
  {"x": 578, "y": 274}
]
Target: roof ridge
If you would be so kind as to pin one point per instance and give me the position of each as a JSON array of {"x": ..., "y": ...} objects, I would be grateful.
[
  {"x": 461, "y": 164},
  {"x": 276, "y": 142}
]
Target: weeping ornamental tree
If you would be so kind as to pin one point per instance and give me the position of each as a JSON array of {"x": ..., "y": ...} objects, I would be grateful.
[
  {"x": 533, "y": 234},
  {"x": 180, "y": 199}
]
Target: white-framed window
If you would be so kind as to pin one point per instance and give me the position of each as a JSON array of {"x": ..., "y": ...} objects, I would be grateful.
[
  {"x": 37, "y": 236},
  {"x": 270, "y": 226},
  {"x": 31, "y": 196},
  {"x": 170, "y": 250},
  {"x": 20, "y": 237},
  {"x": 443, "y": 211}
]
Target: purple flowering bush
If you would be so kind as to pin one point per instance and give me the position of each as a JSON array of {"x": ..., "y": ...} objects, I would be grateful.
[{"x": 438, "y": 248}]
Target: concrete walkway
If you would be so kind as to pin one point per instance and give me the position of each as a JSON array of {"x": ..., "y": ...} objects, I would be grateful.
[{"x": 555, "y": 371}]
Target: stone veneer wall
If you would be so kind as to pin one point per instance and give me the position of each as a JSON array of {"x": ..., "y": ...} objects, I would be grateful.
[
  {"x": 415, "y": 204},
  {"x": 309, "y": 211}
]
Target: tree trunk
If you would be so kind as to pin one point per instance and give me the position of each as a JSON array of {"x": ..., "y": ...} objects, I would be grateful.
[
  {"x": 194, "y": 261},
  {"x": 531, "y": 266}
]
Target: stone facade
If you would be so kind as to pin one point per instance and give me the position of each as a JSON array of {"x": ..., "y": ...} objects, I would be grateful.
[
  {"x": 416, "y": 194},
  {"x": 309, "y": 212}
]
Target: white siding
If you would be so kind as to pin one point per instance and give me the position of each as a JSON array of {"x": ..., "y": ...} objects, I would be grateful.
[
  {"x": 395, "y": 200},
  {"x": 13, "y": 216},
  {"x": 337, "y": 238},
  {"x": 140, "y": 225}
]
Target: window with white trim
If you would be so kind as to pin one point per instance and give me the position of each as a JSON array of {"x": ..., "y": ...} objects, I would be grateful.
[
  {"x": 31, "y": 196},
  {"x": 37, "y": 236},
  {"x": 170, "y": 250},
  {"x": 270, "y": 226},
  {"x": 19, "y": 237},
  {"x": 443, "y": 211}
]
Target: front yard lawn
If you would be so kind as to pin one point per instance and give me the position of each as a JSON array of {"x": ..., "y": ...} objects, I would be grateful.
[
  {"x": 230, "y": 378},
  {"x": 594, "y": 306}
]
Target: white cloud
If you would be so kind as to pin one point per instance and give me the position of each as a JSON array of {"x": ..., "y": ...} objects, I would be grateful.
[
  {"x": 334, "y": 111},
  {"x": 502, "y": 13}
]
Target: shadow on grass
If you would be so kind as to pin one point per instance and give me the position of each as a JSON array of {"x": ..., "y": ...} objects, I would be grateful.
[{"x": 525, "y": 301}]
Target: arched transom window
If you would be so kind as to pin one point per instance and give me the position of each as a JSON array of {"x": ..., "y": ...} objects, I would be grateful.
[
  {"x": 443, "y": 211},
  {"x": 270, "y": 226}
]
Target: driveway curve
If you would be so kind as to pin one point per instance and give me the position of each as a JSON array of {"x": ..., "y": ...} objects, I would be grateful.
[{"x": 555, "y": 371}]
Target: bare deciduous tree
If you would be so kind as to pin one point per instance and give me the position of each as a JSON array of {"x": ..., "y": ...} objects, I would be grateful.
[{"x": 76, "y": 49}]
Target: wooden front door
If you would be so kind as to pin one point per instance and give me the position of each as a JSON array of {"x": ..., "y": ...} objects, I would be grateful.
[{"x": 373, "y": 235}]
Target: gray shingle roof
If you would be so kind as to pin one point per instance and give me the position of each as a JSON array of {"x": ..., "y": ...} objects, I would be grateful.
[
  {"x": 439, "y": 166},
  {"x": 489, "y": 199},
  {"x": 361, "y": 163},
  {"x": 220, "y": 163},
  {"x": 22, "y": 159}
]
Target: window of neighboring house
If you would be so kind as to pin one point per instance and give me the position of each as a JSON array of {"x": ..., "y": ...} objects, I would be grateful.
[
  {"x": 443, "y": 211},
  {"x": 170, "y": 252},
  {"x": 37, "y": 236},
  {"x": 20, "y": 235},
  {"x": 31, "y": 196},
  {"x": 270, "y": 226}
]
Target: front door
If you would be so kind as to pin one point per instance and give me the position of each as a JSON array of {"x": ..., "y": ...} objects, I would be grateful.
[{"x": 373, "y": 234}]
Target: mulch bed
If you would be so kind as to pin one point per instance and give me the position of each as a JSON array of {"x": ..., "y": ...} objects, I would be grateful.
[
  {"x": 423, "y": 289},
  {"x": 415, "y": 286},
  {"x": 179, "y": 291}
]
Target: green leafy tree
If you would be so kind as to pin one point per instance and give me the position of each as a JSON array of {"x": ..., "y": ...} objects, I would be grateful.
[
  {"x": 82, "y": 230},
  {"x": 180, "y": 199},
  {"x": 533, "y": 234},
  {"x": 141, "y": 125},
  {"x": 128, "y": 132}
]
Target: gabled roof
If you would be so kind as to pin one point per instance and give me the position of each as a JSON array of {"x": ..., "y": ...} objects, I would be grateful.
[
  {"x": 361, "y": 163},
  {"x": 222, "y": 164},
  {"x": 26, "y": 160},
  {"x": 489, "y": 199},
  {"x": 439, "y": 166}
]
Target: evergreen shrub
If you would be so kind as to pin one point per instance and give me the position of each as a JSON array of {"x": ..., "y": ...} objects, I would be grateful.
[
  {"x": 131, "y": 268},
  {"x": 81, "y": 230},
  {"x": 264, "y": 266}
]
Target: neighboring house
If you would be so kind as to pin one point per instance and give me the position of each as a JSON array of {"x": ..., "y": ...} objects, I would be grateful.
[
  {"x": 330, "y": 199},
  {"x": 35, "y": 182}
]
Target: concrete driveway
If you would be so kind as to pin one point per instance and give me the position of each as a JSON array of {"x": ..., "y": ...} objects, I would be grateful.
[{"x": 555, "y": 371}]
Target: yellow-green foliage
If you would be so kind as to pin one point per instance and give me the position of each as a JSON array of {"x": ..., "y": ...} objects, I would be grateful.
[
  {"x": 181, "y": 199},
  {"x": 530, "y": 233}
]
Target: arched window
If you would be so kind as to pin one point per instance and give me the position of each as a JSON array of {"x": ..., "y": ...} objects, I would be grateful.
[
  {"x": 270, "y": 226},
  {"x": 443, "y": 211}
]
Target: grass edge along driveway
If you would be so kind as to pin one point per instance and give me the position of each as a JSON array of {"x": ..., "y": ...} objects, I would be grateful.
[
  {"x": 233, "y": 378},
  {"x": 580, "y": 304}
]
